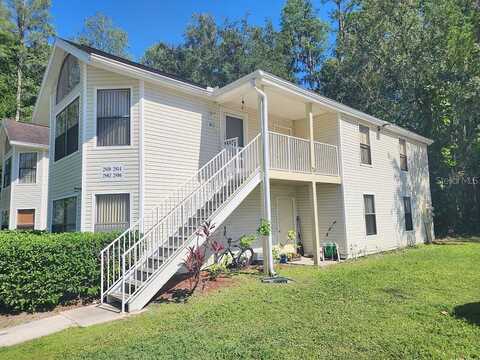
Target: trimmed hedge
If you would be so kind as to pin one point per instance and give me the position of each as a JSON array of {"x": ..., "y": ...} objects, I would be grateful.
[{"x": 41, "y": 270}]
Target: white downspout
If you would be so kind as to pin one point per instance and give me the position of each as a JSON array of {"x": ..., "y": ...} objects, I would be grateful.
[{"x": 268, "y": 257}]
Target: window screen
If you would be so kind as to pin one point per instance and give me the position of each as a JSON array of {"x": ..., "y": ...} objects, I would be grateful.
[
  {"x": 370, "y": 215},
  {"x": 403, "y": 155},
  {"x": 407, "y": 204},
  {"x": 66, "y": 130},
  {"x": 64, "y": 216},
  {"x": 7, "y": 172},
  {"x": 27, "y": 171},
  {"x": 113, "y": 117},
  {"x": 113, "y": 212},
  {"x": 365, "y": 151}
]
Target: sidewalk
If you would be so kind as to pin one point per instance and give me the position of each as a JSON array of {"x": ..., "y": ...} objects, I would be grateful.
[{"x": 82, "y": 317}]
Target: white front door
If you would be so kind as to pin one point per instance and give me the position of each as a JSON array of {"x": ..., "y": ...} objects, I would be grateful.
[{"x": 285, "y": 222}]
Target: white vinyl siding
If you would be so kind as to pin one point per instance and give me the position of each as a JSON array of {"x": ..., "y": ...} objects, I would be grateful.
[
  {"x": 181, "y": 134},
  {"x": 389, "y": 184},
  {"x": 98, "y": 157},
  {"x": 32, "y": 195}
]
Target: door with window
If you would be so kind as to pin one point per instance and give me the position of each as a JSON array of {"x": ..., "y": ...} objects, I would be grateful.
[
  {"x": 26, "y": 219},
  {"x": 234, "y": 129},
  {"x": 112, "y": 212}
]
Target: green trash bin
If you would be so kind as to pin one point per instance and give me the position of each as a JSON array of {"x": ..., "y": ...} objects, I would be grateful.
[{"x": 330, "y": 251}]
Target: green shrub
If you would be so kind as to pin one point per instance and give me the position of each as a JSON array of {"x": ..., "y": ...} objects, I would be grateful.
[{"x": 41, "y": 270}]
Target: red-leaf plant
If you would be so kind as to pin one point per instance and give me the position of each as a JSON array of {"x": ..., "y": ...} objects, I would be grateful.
[
  {"x": 196, "y": 254},
  {"x": 193, "y": 263}
]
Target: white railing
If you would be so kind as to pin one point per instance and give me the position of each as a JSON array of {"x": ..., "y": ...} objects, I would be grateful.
[
  {"x": 326, "y": 159},
  {"x": 110, "y": 255},
  {"x": 147, "y": 256},
  {"x": 289, "y": 153}
]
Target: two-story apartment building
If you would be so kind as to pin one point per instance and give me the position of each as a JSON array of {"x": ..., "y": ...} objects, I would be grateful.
[
  {"x": 135, "y": 149},
  {"x": 24, "y": 180}
]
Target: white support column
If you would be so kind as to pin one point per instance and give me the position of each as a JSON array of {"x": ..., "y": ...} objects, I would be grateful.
[
  {"x": 315, "y": 233},
  {"x": 263, "y": 109},
  {"x": 141, "y": 155},
  {"x": 309, "y": 116}
]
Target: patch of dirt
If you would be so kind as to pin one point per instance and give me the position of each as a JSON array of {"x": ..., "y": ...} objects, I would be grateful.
[
  {"x": 9, "y": 320},
  {"x": 177, "y": 289}
]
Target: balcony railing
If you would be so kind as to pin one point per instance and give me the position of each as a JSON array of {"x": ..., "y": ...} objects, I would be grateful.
[{"x": 289, "y": 153}]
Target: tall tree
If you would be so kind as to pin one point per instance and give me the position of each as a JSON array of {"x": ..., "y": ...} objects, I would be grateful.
[
  {"x": 100, "y": 32},
  {"x": 304, "y": 37},
  {"x": 7, "y": 69},
  {"x": 32, "y": 32},
  {"x": 215, "y": 55},
  {"x": 415, "y": 63}
]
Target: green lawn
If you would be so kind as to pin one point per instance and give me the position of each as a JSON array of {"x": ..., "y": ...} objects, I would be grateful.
[{"x": 385, "y": 306}]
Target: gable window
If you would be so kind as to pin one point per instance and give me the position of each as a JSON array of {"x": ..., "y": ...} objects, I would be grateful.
[
  {"x": 365, "y": 151},
  {"x": 7, "y": 172},
  {"x": 69, "y": 77},
  {"x": 27, "y": 171},
  {"x": 66, "y": 130},
  {"x": 26, "y": 219},
  {"x": 113, "y": 117},
  {"x": 64, "y": 217},
  {"x": 370, "y": 215},
  {"x": 407, "y": 205},
  {"x": 112, "y": 212},
  {"x": 403, "y": 155}
]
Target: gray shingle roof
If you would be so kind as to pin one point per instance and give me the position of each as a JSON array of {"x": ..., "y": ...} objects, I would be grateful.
[{"x": 25, "y": 132}]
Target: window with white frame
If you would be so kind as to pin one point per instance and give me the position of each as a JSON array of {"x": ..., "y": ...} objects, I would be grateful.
[
  {"x": 27, "y": 168},
  {"x": 365, "y": 150},
  {"x": 69, "y": 77},
  {"x": 403, "y": 155},
  {"x": 64, "y": 217},
  {"x": 113, "y": 117},
  {"x": 66, "y": 130},
  {"x": 370, "y": 215},
  {"x": 7, "y": 172},
  {"x": 112, "y": 212},
  {"x": 407, "y": 205}
]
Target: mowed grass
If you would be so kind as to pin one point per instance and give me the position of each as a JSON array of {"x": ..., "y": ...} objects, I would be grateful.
[{"x": 415, "y": 303}]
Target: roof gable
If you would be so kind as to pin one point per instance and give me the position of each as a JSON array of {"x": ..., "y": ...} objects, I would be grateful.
[{"x": 25, "y": 133}]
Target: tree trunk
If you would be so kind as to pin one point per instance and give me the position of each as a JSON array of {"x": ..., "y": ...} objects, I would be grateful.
[{"x": 19, "y": 90}]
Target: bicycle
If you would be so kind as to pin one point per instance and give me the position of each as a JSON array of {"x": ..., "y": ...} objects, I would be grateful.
[{"x": 238, "y": 258}]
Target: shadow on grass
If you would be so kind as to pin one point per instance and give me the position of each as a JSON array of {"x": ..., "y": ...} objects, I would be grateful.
[{"x": 469, "y": 312}]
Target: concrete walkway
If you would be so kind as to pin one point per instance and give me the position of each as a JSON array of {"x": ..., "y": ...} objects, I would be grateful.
[{"x": 83, "y": 317}]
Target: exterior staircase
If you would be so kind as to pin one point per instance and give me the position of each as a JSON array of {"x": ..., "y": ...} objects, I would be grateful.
[{"x": 136, "y": 265}]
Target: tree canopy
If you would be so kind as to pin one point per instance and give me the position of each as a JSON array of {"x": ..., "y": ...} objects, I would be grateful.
[{"x": 411, "y": 62}]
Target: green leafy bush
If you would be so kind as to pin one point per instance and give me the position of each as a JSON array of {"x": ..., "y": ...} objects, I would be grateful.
[{"x": 41, "y": 270}]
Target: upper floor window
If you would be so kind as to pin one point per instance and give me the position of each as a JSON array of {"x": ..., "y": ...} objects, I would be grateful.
[
  {"x": 113, "y": 117},
  {"x": 66, "y": 131},
  {"x": 407, "y": 204},
  {"x": 370, "y": 214},
  {"x": 403, "y": 155},
  {"x": 365, "y": 151},
  {"x": 69, "y": 77},
  {"x": 7, "y": 172},
  {"x": 27, "y": 169}
]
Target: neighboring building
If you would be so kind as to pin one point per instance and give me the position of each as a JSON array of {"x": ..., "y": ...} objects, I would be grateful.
[
  {"x": 24, "y": 150},
  {"x": 135, "y": 149}
]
